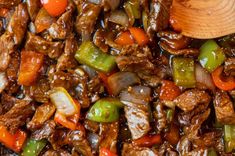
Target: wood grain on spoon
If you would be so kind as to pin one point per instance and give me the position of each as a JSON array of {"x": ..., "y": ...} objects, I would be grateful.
[{"x": 203, "y": 18}]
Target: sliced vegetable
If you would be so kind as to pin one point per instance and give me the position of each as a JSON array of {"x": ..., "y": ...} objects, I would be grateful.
[
  {"x": 169, "y": 115},
  {"x": 145, "y": 20},
  {"x": 147, "y": 141},
  {"x": 128, "y": 9},
  {"x": 121, "y": 80},
  {"x": 169, "y": 91},
  {"x": 106, "y": 152},
  {"x": 212, "y": 152},
  {"x": 55, "y": 7},
  {"x": 68, "y": 122},
  {"x": 135, "y": 6},
  {"x": 90, "y": 55},
  {"x": 33, "y": 147},
  {"x": 204, "y": 77},
  {"x": 211, "y": 55},
  {"x": 119, "y": 17},
  {"x": 139, "y": 35},
  {"x": 30, "y": 64},
  {"x": 12, "y": 141},
  {"x": 64, "y": 102},
  {"x": 224, "y": 84},
  {"x": 173, "y": 135},
  {"x": 105, "y": 110},
  {"x": 183, "y": 72},
  {"x": 124, "y": 38},
  {"x": 229, "y": 137}
]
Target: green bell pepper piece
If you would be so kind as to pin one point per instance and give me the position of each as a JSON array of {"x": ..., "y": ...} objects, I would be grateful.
[
  {"x": 183, "y": 72},
  {"x": 33, "y": 147},
  {"x": 211, "y": 55},
  {"x": 169, "y": 115},
  {"x": 92, "y": 56},
  {"x": 105, "y": 110},
  {"x": 135, "y": 8},
  {"x": 229, "y": 137},
  {"x": 212, "y": 152}
]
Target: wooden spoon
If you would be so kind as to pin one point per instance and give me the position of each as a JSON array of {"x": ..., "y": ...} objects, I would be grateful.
[{"x": 203, "y": 19}]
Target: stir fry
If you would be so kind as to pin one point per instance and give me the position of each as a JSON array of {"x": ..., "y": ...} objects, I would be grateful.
[{"x": 109, "y": 78}]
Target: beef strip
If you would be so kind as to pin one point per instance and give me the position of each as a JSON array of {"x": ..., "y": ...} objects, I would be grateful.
[
  {"x": 136, "y": 110},
  {"x": 52, "y": 152},
  {"x": 9, "y": 3},
  {"x": 45, "y": 131},
  {"x": 42, "y": 114},
  {"x": 67, "y": 60},
  {"x": 7, "y": 102},
  {"x": 229, "y": 67},
  {"x": 167, "y": 149},
  {"x": 17, "y": 115},
  {"x": 160, "y": 116},
  {"x": 78, "y": 140},
  {"x": 224, "y": 109},
  {"x": 36, "y": 43},
  {"x": 130, "y": 150},
  {"x": 18, "y": 23},
  {"x": 91, "y": 125},
  {"x": 43, "y": 20},
  {"x": 85, "y": 22},
  {"x": 39, "y": 91},
  {"x": 33, "y": 8},
  {"x": 99, "y": 39},
  {"x": 109, "y": 134},
  {"x": 58, "y": 138},
  {"x": 191, "y": 99},
  {"x": 159, "y": 16},
  {"x": 62, "y": 27}
]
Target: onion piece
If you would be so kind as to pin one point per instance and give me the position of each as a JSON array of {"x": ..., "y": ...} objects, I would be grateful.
[
  {"x": 136, "y": 95},
  {"x": 95, "y": 1},
  {"x": 63, "y": 101},
  {"x": 112, "y": 3},
  {"x": 203, "y": 77},
  {"x": 3, "y": 81},
  {"x": 119, "y": 17},
  {"x": 121, "y": 80}
]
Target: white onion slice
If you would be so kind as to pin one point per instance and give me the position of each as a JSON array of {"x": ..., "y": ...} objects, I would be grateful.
[
  {"x": 119, "y": 17},
  {"x": 3, "y": 81}
]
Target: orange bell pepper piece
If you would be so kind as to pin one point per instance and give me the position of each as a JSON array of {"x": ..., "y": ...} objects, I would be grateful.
[
  {"x": 147, "y": 141},
  {"x": 124, "y": 38},
  {"x": 30, "y": 64},
  {"x": 226, "y": 84},
  {"x": 169, "y": 91},
  {"x": 139, "y": 35},
  {"x": 106, "y": 152}
]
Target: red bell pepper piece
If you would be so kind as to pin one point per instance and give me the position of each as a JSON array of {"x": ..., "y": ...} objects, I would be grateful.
[
  {"x": 106, "y": 152},
  {"x": 169, "y": 91},
  {"x": 148, "y": 140}
]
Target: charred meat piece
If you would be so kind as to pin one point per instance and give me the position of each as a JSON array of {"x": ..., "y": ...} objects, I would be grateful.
[
  {"x": 7, "y": 102},
  {"x": 78, "y": 140},
  {"x": 224, "y": 109},
  {"x": 52, "y": 152},
  {"x": 67, "y": 60},
  {"x": 160, "y": 116},
  {"x": 9, "y": 3},
  {"x": 42, "y": 114},
  {"x": 17, "y": 115},
  {"x": 130, "y": 150},
  {"x": 45, "y": 131},
  {"x": 58, "y": 138},
  {"x": 36, "y": 43},
  {"x": 191, "y": 99},
  {"x": 109, "y": 134},
  {"x": 159, "y": 15},
  {"x": 86, "y": 20},
  {"x": 62, "y": 27},
  {"x": 33, "y": 7},
  {"x": 229, "y": 67}
]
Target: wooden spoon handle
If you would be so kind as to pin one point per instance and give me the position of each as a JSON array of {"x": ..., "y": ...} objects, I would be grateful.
[{"x": 203, "y": 18}]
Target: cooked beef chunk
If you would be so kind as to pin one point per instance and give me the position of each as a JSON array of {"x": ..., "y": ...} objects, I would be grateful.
[
  {"x": 12, "y": 70},
  {"x": 43, "y": 21},
  {"x": 130, "y": 150},
  {"x": 100, "y": 38},
  {"x": 45, "y": 132},
  {"x": 229, "y": 67},
  {"x": 62, "y": 27},
  {"x": 167, "y": 149},
  {"x": 86, "y": 20},
  {"x": 39, "y": 91},
  {"x": 17, "y": 115},
  {"x": 6, "y": 152},
  {"x": 78, "y": 140},
  {"x": 59, "y": 138},
  {"x": 42, "y": 114},
  {"x": 159, "y": 16},
  {"x": 67, "y": 60},
  {"x": 191, "y": 99},
  {"x": 94, "y": 141},
  {"x": 33, "y": 8},
  {"x": 4, "y": 81},
  {"x": 36, "y": 43},
  {"x": 91, "y": 125},
  {"x": 109, "y": 134},
  {"x": 52, "y": 152},
  {"x": 160, "y": 116},
  {"x": 18, "y": 23},
  {"x": 9, "y": 3},
  {"x": 7, "y": 102},
  {"x": 224, "y": 109}
]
